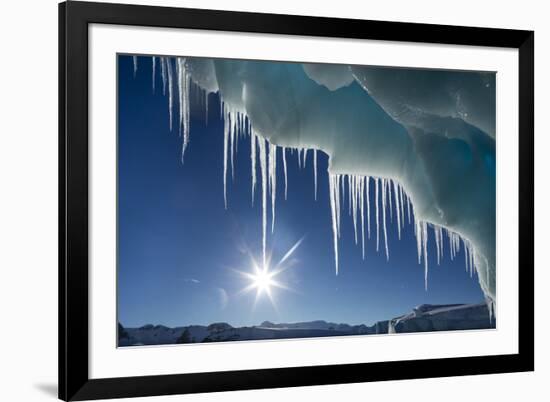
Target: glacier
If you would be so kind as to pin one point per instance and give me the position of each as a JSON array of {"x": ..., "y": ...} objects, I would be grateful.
[{"x": 422, "y": 140}]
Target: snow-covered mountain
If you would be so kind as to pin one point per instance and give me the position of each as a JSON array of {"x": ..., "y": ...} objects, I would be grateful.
[
  {"x": 428, "y": 317},
  {"x": 423, "y": 318}
]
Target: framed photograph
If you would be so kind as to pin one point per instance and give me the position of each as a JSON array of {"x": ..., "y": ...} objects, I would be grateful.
[{"x": 256, "y": 201}]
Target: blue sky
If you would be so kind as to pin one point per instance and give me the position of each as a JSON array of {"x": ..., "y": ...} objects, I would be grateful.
[{"x": 179, "y": 247}]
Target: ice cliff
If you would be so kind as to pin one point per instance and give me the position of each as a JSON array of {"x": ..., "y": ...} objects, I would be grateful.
[{"x": 423, "y": 141}]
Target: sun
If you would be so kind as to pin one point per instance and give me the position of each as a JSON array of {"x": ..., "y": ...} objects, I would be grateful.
[
  {"x": 262, "y": 276},
  {"x": 262, "y": 280}
]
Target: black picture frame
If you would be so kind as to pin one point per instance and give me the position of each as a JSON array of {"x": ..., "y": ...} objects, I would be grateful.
[{"x": 74, "y": 381}]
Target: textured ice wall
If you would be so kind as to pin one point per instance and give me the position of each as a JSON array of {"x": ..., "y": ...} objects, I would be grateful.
[{"x": 412, "y": 130}]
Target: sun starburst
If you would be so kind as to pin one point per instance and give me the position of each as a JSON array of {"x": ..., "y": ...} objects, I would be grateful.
[{"x": 262, "y": 278}]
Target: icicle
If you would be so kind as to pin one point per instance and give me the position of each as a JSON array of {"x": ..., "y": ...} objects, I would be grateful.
[
  {"x": 441, "y": 240},
  {"x": 349, "y": 194},
  {"x": 163, "y": 74},
  {"x": 384, "y": 218},
  {"x": 334, "y": 194},
  {"x": 263, "y": 169},
  {"x": 225, "y": 153},
  {"x": 409, "y": 209},
  {"x": 170, "y": 90},
  {"x": 253, "y": 162},
  {"x": 236, "y": 130},
  {"x": 338, "y": 209},
  {"x": 231, "y": 118},
  {"x": 367, "y": 185},
  {"x": 179, "y": 84},
  {"x": 425, "y": 244},
  {"x": 284, "y": 168},
  {"x": 183, "y": 91},
  {"x": 469, "y": 257},
  {"x": 134, "y": 58},
  {"x": 436, "y": 235},
  {"x": 154, "y": 67},
  {"x": 402, "y": 206},
  {"x": 397, "y": 209},
  {"x": 451, "y": 245},
  {"x": 418, "y": 235},
  {"x": 186, "y": 78},
  {"x": 362, "y": 209},
  {"x": 389, "y": 184},
  {"x": 377, "y": 219},
  {"x": 353, "y": 185},
  {"x": 451, "y": 249},
  {"x": 299, "y": 158},
  {"x": 314, "y": 173},
  {"x": 273, "y": 181},
  {"x": 466, "y": 258},
  {"x": 490, "y": 308},
  {"x": 472, "y": 259},
  {"x": 243, "y": 125}
]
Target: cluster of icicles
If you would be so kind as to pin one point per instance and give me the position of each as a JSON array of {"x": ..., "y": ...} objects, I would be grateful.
[
  {"x": 358, "y": 195},
  {"x": 175, "y": 77}
]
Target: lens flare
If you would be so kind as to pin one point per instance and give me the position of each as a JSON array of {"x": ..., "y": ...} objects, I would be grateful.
[{"x": 262, "y": 277}]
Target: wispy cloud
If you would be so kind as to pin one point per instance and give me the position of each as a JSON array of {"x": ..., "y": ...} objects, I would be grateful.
[{"x": 192, "y": 280}]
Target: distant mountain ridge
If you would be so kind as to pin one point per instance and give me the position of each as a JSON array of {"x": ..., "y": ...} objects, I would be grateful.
[
  {"x": 317, "y": 324},
  {"x": 423, "y": 318}
]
